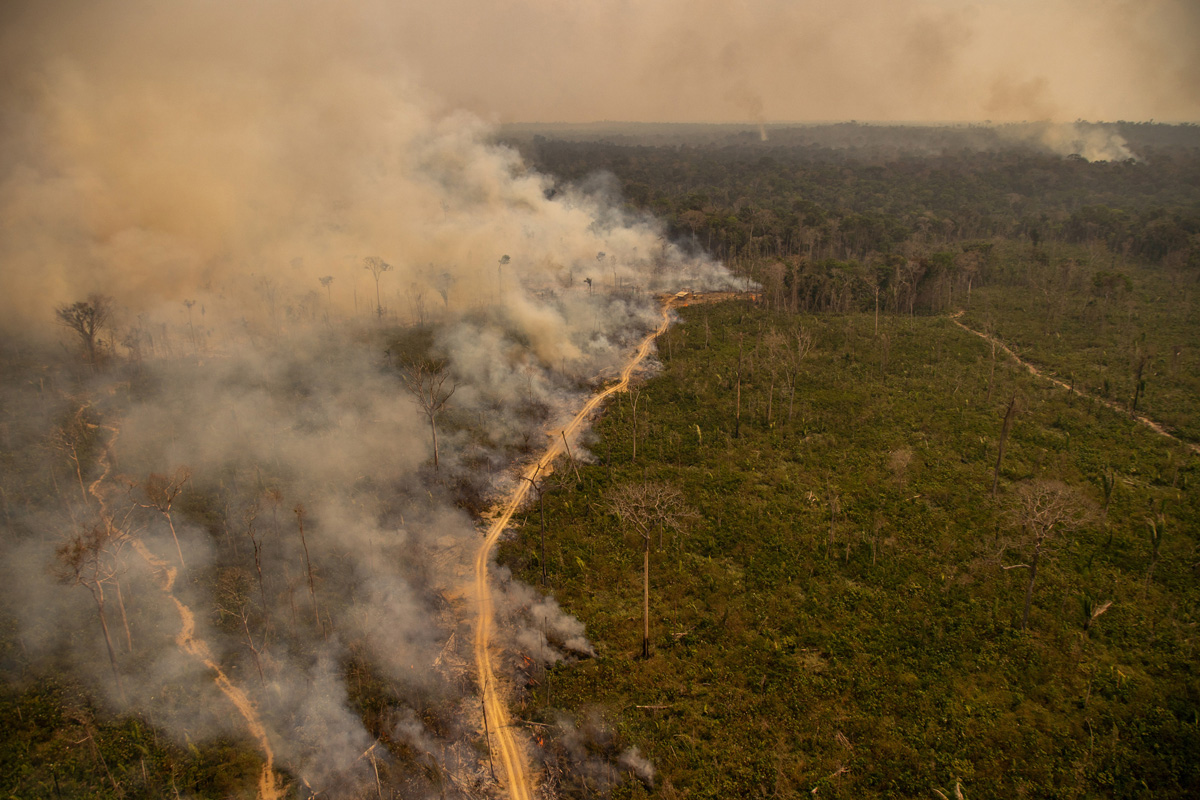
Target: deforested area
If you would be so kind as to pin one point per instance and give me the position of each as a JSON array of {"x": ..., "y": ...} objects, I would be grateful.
[
  {"x": 904, "y": 521},
  {"x": 838, "y": 600}
]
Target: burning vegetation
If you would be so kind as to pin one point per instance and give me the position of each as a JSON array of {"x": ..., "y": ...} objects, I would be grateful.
[{"x": 237, "y": 494}]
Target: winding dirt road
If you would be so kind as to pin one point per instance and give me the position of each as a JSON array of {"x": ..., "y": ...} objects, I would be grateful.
[
  {"x": 1149, "y": 423},
  {"x": 511, "y": 752},
  {"x": 187, "y": 639}
]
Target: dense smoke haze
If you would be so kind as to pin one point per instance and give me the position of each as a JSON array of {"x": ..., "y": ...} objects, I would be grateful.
[
  {"x": 239, "y": 484},
  {"x": 284, "y": 204},
  {"x": 789, "y": 60}
]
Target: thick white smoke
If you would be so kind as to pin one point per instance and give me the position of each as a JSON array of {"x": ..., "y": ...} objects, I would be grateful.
[
  {"x": 1094, "y": 142},
  {"x": 227, "y": 173}
]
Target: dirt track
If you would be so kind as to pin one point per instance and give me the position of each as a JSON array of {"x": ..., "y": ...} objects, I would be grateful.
[
  {"x": 511, "y": 751},
  {"x": 188, "y": 641},
  {"x": 1149, "y": 423}
]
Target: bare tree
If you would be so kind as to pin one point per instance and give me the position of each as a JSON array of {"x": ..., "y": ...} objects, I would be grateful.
[
  {"x": 1140, "y": 358},
  {"x": 1043, "y": 510},
  {"x": 417, "y": 298},
  {"x": 737, "y": 416},
  {"x": 326, "y": 281},
  {"x": 87, "y": 318},
  {"x": 1156, "y": 526},
  {"x": 991, "y": 369},
  {"x": 835, "y": 508},
  {"x": 634, "y": 396},
  {"x": 898, "y": 463},
  {"x": 426, "y": 379},
  {"x": 161, "y": 492},
  {"x": 72, "y": 439},
  {"x": 188, "y": 304},
  {"x": 1108, "y": 482},
  {"x": 235, "y": 602},
  {"x": 648, "y": 507},
  {"x": 789, "y": 352},
  {"x": 376, "y": 266},
  {"x": 444, "y": 282},
  {"x": 91, "y": 559},
  {"x": 257, "y": 541}
]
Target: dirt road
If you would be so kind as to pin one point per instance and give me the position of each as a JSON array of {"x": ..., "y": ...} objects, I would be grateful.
[
  {"x": 1120, "y": 409},
  {"x": 502, "y": 739}
]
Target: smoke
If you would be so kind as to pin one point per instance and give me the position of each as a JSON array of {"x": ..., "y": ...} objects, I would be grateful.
[
  {"x": 631, "y": 760},
  {"x": 223, "y": 171},
  {"x": 928, "y": 60},
  {"x": 1094, "y": 142},
  {"x": 587, "y": 756},
  {"x": 542, "y": 630}
]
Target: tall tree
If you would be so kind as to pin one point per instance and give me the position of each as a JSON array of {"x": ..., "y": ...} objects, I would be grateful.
[
  {"x": 789, "y": 353},
  {"x": 1004, "y": 429},
  {"x": 325, "y": 282},
  {"x": 504, "y": 260},
  {"x": 539, "y": 487},
  {"x": 648, "y": 507},
  {"x": 377, "y": 266},
  {"x": 426, "y": 380},
  {"x": 161, "y": 491},
  {"x": 91, "y": 559}
]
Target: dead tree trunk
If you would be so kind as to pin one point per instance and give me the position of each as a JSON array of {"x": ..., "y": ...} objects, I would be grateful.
[
  {"x": 737, "y": 417},
  {"x": 646, "y": 600},
  {"x": 992, "y": 373},
  {"x": 312, "y": 589},
  {"x": 1008, "y": 418}
]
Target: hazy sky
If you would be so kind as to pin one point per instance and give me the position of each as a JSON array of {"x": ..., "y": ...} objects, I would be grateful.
[
  {"x": 684, "y": 60},
  {"x": 785, "y": 60}
]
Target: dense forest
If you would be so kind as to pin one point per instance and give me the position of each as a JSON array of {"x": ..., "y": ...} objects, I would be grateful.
[{"x": 889, "y": 195}]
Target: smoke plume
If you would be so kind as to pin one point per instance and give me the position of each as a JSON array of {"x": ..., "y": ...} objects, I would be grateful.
[{"x": 240, "y": 485}]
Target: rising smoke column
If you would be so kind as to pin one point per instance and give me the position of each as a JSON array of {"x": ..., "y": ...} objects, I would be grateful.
[{"x": 224, "y": 172}]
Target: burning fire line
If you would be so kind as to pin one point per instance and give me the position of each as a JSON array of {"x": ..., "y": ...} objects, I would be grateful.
[
  {"x": 268, "y": 788},
  {"x": 512, "y": 756}
]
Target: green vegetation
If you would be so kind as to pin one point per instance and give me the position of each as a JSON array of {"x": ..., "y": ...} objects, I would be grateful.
[
  {"x": 55, "y": 744},
  {"x": 838, "y": 616},
  {"x": 1096, "y": 327}
]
